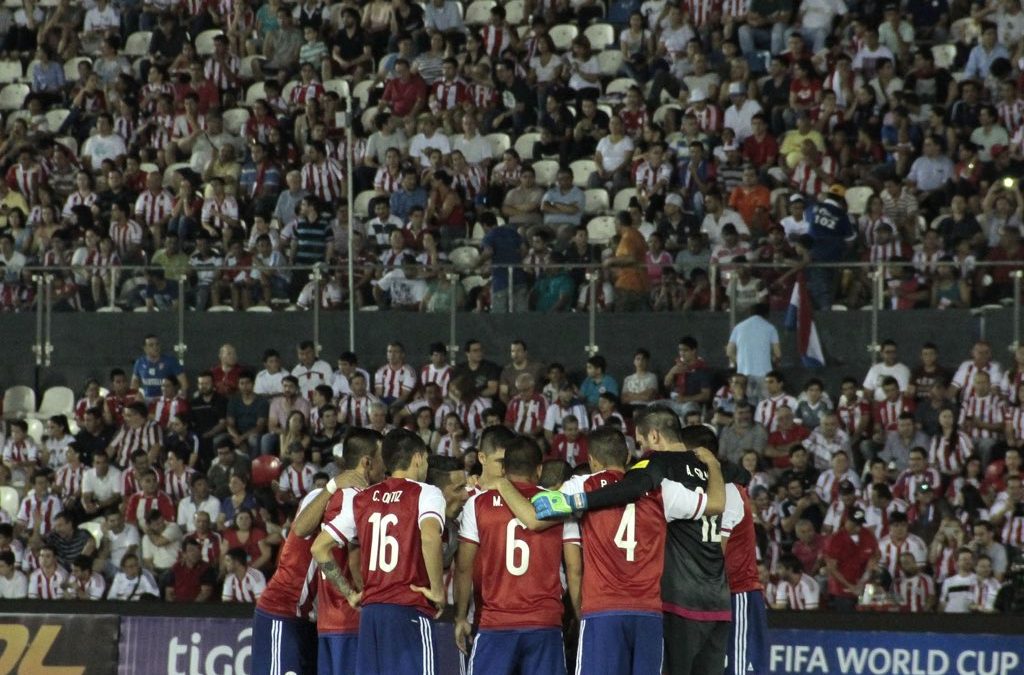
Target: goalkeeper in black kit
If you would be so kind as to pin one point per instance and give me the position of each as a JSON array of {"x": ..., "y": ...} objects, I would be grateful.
[{"x": 695, "y": 595}]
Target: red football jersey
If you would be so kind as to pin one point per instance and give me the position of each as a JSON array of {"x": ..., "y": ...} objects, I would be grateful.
[
  {"x": 519, "y": 570},
  {"x": 334, "y": 614},
  {"x": 384, "y": 520},
  {"x": 741, "y": 551},
  {"x": 292, "y": 591}
]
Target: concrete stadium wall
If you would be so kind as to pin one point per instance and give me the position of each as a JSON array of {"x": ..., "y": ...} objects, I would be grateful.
[{"x": 88, "y": 345}]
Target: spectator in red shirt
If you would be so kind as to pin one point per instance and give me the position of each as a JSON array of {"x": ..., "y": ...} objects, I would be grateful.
[
  {"x": 849, "y": 554},
  {"x": 226, "y": 372},
  {"x": 760, "y": 148},
  {"x": 406, "y": 94},
  {"x": 809, "y": 547},
  {"x": 787, "y": 434},
  {"x": 190, "y": 579}
]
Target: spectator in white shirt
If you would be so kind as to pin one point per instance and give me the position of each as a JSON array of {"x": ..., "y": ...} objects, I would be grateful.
[
  {"x": 119, "y": 540},
  {"x": 889, "y": 366},
  {"x": 268, "y": 380},
  {"x": 132, "y": 582},
  {"x": 199, "y": 500},
  {"x": 13, "y": 582},
  {"x": 242, "y": 583},
  {"x": 958, "y": 590},
  {"x": 83, "y": 583},
  {"x": 161, "y": 543},
  {"x": 101, "y": 486},
  {"x": 796, "y": 590}
]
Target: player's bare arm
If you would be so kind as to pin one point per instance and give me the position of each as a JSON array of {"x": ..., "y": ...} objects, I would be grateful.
[
  {"x": 430, "y": 543},
  {"x": 307, "y": 521},
  {"x": 716, "y": 484},
  {"x": 322, "y": 553},
  {"x": 464, "y": 560},
  {"x": 521, "y": 507},
  {"x": 572, "y": 555}
]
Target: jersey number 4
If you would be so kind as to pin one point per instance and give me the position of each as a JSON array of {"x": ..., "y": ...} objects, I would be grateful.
[{"x": 383, "y": 547}]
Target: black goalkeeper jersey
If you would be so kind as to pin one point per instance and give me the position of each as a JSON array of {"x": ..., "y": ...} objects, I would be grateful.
[{"x": 693, "y": 584}]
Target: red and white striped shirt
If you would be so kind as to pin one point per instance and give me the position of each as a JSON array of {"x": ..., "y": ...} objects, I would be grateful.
[
  {"x": 387, "y": 182},
  {"x": 648, "y": 176},
  {"x": 891, "y": 552},
  {"x": 391, "y": 382},
  {"x": 223, "y": 74},
  {"x": 26, "y": 180},
  {"x": 526, "y": 415},
  {"x": 355, "y": 410},
  {"x": 297, "y": 482},
  {"x": 430, "y": 374},
  {"x": 927, "y": 263},
  {"x": 129, "y": 440},
  {"x": 736, "y": 9},
  {"x": 1013, "y": 531},
  {"x": 472, "y": 414},
  {"x": 151, "y": 208},
  {"x": 323, "y": 180},
  {"x": 448, "y": 95},
  {"x": 1011, "y": 114},
  {"x": 915, "y": 593},
  {"x": 209, "y": 546},
  {"x": 483, "y": 96},
  {"x": 803, "y": 595},
  {"x": 887, "y": 412},
  {"x": 701, "y": 11},
  {"x": 851, "y": 416},
  {"x": 473, "y": 181},
  {"x": 76, "y": 198},
  {"x": 949, "y": 455},
  {"x": 20, "y": 452},
  {"x": 304, "y": 92},
  {"x": 179, "y": 486},
  {"x": 828, "y": 482},
  {"x": 985, "y": 593},
  {"x": 183, "y": 126},
  {"x": 1015, "y": 418},
  {"x": 247, "y": 589},
  {"x": 130, "y": 483},
  {"x": 496, "y": 39},
  {"x": 151, "y": 92},
  {"x": 764, "y": 414},
  {"x": 446, "y": 446},
  {"x": 94, "y": 587},
  {"x": 709, "y": 120},
  {"x": 125, "y": 128},
  {"x": 908, "y": 482},
  {"x": 161, "y": 133},
  {"x": 48, "y": 507},
  {"x": 986, "y": 409},
  {"x": 869, "y": 228},
  {"x": 964, "y": 377},
  {"x": 215, "y": 210},
  {"x": 43, "y": 587},
  {"x": 882, "y": 253},
  {"x": 806, "y": 180},
  {"x": 163, "y": 409},
  {"x": 125, "y": 236},
  {"x": 69, "y": 480}
]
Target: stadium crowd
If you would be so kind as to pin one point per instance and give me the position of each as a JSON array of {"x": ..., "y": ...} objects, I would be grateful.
[
  {"x": 658, "y": 146},
  {"x": 903, "y": 489}
]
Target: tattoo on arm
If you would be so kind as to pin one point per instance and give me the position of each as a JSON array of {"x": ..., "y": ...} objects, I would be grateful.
[{"x": 333, "y": 574}]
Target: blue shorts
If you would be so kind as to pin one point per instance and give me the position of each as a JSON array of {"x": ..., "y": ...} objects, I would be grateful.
[
  {"x": 748, "y": 636},
  {"x": 336, "y": 653},
  {"x": 620, "y": 644},
  {"x": 537, "y": 651},
  {"x": 395, "y": 640},
  {"x": 282, "y": 645}
]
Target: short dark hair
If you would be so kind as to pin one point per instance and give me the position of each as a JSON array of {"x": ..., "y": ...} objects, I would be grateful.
[
  {"x": 399, "y": 447},
  {"x": 238, "y": 555},
  {"x": 609, "y": 446},
  {"x": 699, "y": 436},
  {"x": 663, "y": 419},
  {"x": 494, "y": 438},
  {"x": 359, "y": 443},
  {"x": 523, "y": 456}
]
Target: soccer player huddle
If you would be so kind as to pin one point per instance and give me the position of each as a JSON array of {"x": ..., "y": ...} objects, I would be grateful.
[{"x": 655, "y": 559}]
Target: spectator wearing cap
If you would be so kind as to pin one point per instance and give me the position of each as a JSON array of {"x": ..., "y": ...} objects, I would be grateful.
[
  {"x": 739, "y": 115},
  {"x": 927, "y": 512},
  {"x": 850, "y": 553}
]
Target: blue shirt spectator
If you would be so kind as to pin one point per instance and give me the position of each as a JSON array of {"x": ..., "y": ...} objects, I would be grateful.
[
  {"x": 402, "y": 202},
  {"x": 979, "y": 63},
  {"x": 48, "y": 76},
  {"x": 151, "y": 368},
  {"x": 754, "y": 340},
  {"x": 504, "y": 247}
]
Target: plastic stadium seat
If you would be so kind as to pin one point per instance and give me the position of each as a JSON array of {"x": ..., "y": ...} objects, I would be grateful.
[
  {"x": 10, "y": 71},
  {"x": 143, "y": 309},
  {"x": 581, "y": 171},
  {"x": 464, "y": 258},
  {"x": 19, "y": 401},
  {"x": 499, "y": 144},
  {"x": 56, "y": 401},
  {"x": 478, "y": 12},
  {"x": 515, "y": 12},
  {"x": 524, "y": 145},
  {"x": 659, "y": 114},
  {"x": 601, "y": 229},
  {"x": 546, "y": 171},
  {"x": 245, "y": 68},
  {"x": 478, "y": 234},
  {"x": 95, "y": 529},
  {"x": 286, "y": 91},
  {"x": 15, "y": 116},
  {"x": 173, "y": 169},
  {"x": 148, "y": 168},
  {"x": 56, "y": 117},
  {"x": 601, "y": 36},
  {"x": 562, "y": 35},
  {"x": 367, "y": 117},
  {"x": 36, "y": 430},
  {"x": 265, "y": 469},
  {"x": 221, "y": 308},
  {"x": 68, "y": 142},
  {"x": 361, "y": 203},
  {"x": 235, "y": 119},
  {"x": 857, "y": 199},
  {"x": 255, "y": 92},
  {"x": 204, "y": 41},
  {"x": 71, "y": 67},
  {"x": 622, "y": 197},
  {"x": 259, "y": 308},
  {"x": 137, "y": 43},
  {"x": 9, "y": 501},
  {"x": 475, "y": 281},
  {"x": 610, "y": 61},
  {"x": 12, "y": 96},
  {"x": 619, "y": 86},
  {"x": 338, "y": 86},
  {"x": 362, "y": 92},
  {"x": 596, "y": 202},
  {"x": 944, "y": 55}
]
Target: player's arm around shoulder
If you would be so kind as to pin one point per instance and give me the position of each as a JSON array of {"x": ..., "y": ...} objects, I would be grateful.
[
  {"x": 431, "y": 524},
  {"x": 523, "y": 509}
]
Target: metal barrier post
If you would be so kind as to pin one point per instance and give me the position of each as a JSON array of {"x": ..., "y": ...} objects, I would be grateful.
[
  {"x": 593, "y": 278},
  {"x": 714, "y": 286},
  {"x": 180, "y": 348},
  {"x": 1016, "y": 275},
  {"x": 351, "y": 228},
  {"x": 112, "y": 288},
  {"x": 37, "y": 348},
  {"x": 732, "y": 300},
  {"x": 316, "y": 308},
  {"x": 453, "y": 345},
  {"x": 48, "y": 345},
  {"x": 511, "y": 289},
  {"x": 877, "y": 298}
]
